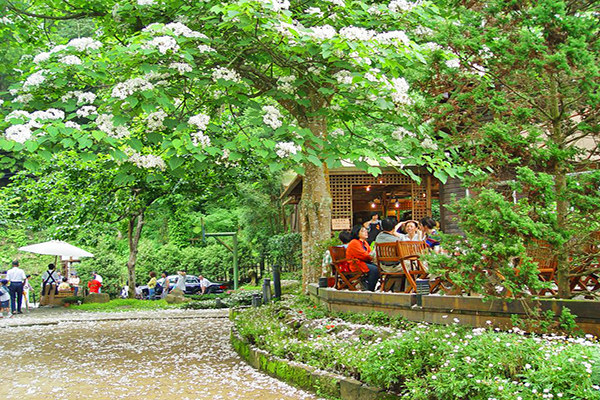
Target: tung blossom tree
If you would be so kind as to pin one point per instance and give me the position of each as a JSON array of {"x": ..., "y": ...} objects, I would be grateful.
[{"x": 164, "y": 84}]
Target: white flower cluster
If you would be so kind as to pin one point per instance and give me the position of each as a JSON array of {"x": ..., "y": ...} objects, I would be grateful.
[
  {"x": 272, "y": 117},
  {"x": 105, "y": 124},
  {"x": 357, "y": 33},
  {"x": 34, "y": 80},
  {"x": 314, "y": 11},
  {"x": 154, "y": 121},
  {"x": 42, "y": 57},
  {"x": 18, "y": 133},
  {"x": 24, "y": 98},
  {"x": 145, "y": 2},
  {"x": 182, "y": 68},
  {"x": 286, "y": 149},
  {"x": 320, "y": 33},
  {"x": 22, "y": 132},
  {"x": 401, "y": 133},
  {"x": 1, "y": 102},
  {"x": 71, "y": 60},
  {"x": 431, "y": 46},
  {"x": 402, "y": 5},
  {"x": 478, "y": 69},
  {"x": 200, "y": 121},
  {"x": 226, "y": 74},
  {"x": 86, "y": 111},
  {"x": 392, "y": 37},
  {"x": 340, "y": 3},
  {"x": 73, "y": 125},
  {"x": 82, "y": 44},
  {"x": 203, "y": 48},
  {"x": 343, "y": 77},
  {"x": 275, "y": 5},
  {"x": 360, "y": 60},
  {"x": 285, "y": 84},
  {"x": 399, "y": 90},
  {"x": 429, "y": 144},
  {"x": 163, "y": 44},
  {"x": 336, "y": 133},
  {"x": 200, "y": 139},
  {"x": 6, "y": 21},
  {"x": 453, "y": 63},
  {"x": 147, "y": 161},
  {"x": 175, "y": 28},
  {"x": 125, "y": 89}
]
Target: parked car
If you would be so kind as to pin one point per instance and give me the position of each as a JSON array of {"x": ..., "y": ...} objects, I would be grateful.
[{"x": 192, "y": 286}]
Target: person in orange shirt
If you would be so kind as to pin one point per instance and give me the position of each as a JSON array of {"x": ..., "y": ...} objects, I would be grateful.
[
  {"x": 359, "y": 248},
  {"x": 94, "y": 285}
]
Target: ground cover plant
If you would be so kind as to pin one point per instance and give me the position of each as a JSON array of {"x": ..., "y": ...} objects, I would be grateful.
[
  {"x": 119, "y": 305},
  {"x": 423, "y": 361}
]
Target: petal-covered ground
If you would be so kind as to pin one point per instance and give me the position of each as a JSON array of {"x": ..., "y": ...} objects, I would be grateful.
[{"x": 148, "y": 355}]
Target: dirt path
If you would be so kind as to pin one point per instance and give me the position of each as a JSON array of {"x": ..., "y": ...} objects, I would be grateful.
[{"x": 149, "y": 356}]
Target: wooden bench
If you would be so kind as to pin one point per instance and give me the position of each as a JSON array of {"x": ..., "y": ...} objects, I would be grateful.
[{"x": 388, "y": 255}]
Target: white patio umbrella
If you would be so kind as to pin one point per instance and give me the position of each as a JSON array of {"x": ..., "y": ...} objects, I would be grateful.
[{"x": 57, "y": 248}]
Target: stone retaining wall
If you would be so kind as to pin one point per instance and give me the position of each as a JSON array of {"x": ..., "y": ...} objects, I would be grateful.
[{"x": 471, "y": 311}]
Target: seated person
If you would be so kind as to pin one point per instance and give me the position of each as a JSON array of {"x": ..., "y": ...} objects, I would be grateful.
[
  {"x": 389, "y": 235},
  {"x": 410, "y": 233},
  {"x": 359, "y": 249},
  {"x": 432, "y": 237},
  {"x": 345, "y": 238},
  {"x": 94, "y": 285},
  {"x": 64, "y": 286}
]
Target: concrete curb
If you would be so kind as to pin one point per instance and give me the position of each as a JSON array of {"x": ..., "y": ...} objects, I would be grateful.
[{"x": 306, "y": 377}]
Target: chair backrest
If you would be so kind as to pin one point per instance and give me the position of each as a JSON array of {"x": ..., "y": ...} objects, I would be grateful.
[
  {"x": 387, "y": 252},
  {"x": 412, "y": 249},
  {"x": 541, "y": 253},
  {"x": 337, "y": 253}
]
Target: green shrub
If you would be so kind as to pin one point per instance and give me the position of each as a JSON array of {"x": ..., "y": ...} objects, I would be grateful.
[{"x": 286, "y": 251}]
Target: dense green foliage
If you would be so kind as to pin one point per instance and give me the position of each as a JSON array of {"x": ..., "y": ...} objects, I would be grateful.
[{"x": 422, "y": 361}]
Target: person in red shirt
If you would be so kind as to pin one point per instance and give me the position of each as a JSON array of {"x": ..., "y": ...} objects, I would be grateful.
[
  {"x": 359, "y": 248},
  {"x": 94, "y": 286}
]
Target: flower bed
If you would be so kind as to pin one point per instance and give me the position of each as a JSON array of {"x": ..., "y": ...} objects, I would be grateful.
[{"x": 422, "y": 361}]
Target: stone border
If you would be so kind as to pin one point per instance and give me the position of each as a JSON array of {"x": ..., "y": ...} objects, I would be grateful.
[
  {"x": 321, "y": 382},
  {"x": 438, "y": 309}
]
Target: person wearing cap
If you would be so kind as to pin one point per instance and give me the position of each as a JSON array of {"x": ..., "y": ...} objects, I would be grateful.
[
  {"x": 16, "y": 276},
  {"x": 4, "y": 299}
]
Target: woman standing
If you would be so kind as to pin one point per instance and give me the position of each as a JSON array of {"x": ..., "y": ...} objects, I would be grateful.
[
  {"x": 152, "y": 286},
  {"x": 359, "y": 248},
  {"x": 165, "y": 286}
]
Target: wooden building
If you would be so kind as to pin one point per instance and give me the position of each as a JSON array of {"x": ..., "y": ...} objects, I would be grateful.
[{"x": 356, "y": 194}]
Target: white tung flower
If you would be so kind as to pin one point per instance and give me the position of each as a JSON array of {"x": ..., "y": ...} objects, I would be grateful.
[
  {"x": 106, "y": 125},
  {"x": 343, "y": 77},
  {"x": 205, "y": 49},
  {"x": 356, "y": 33},
  {"x": 276, "y": 5},
  {"x": 182, "y": 68},
  {"x": 34, "y": 80},
  {"x": 272, "y": 117},
  {"x": 73, "y": 125},
  {"x": 200, "y": 121},
  {"x": 314, "y": 11},
  {"x": 154, "y": 121},
  {"x": 429, "y": 144},
  {"x": 51, "y": 113},
  {"x": 71, "y": 60},
  {"x": 125, "y": 89},
  {"x": 163, "y": 44},
  {"x": 401, "y": 133},
  {"x": 340, "y": 3},
  {"x": 82, "y": 44},
  {"x": 86, "y": 111},
  {"x": 1, "y": 102},
  {"x": 146, "y": 161},
  {"x": 286, "y": 149},
  {"x": 200, "y": 139},
  {"x": 392, "y": 37},
  {"x": 24, "y": 98},
  {"x": 226, "y": 75},
  {"x": 453, "y": 63},
  {"x": 145, "y": 2},
  {"x": 320, "y": 33},
  {"x": 42, "y": 57},
  {"x": 402, "y": 5},
  {"x": 85, "y": 97},
  {"x": 18, "y": 133},
  {"x": 175, "y": 28},
  {"x": 336, "y": 133},
  {"x": 400, "y": 89},
  {"x": 285, "y": 84}
]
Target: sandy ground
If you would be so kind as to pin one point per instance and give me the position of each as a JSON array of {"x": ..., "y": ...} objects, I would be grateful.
[{"x": 132, "y": 355}]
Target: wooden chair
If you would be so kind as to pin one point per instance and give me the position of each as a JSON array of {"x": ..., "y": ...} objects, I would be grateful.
[
  {"x": 387, "y": 254},
  {"x": 410, "y": 254},
  {"x": 586, "y": 277},
  {"x": 541, "y": 254},
  {"x": 345, "y": 278}
]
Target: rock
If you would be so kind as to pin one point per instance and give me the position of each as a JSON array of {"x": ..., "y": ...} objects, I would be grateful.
[{"x": 97, "y": 298}]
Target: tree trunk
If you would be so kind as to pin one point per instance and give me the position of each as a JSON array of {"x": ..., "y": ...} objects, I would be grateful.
[
  {"x": 134, "y": 234},
  {"x": 315, "y": 220},
  {"x": 560, "y": 188}
]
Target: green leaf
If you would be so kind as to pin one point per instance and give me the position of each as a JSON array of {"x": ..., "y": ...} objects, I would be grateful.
[
  {"x": 315, "y": 160},
  {"x": 375, "y": 171},
  {"x": 176, "y": 162},
  {"x": 123, "y": 178},
  {"x": 31, "y": 165},
  {"x": 441, "y": 175}
]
